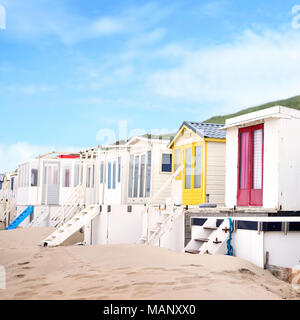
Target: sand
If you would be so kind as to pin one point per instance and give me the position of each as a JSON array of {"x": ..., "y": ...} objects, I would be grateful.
[{"x": 127, "y": 272}]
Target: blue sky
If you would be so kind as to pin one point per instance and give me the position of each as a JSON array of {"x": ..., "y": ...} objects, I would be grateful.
[{"x": 71, "y": 70}]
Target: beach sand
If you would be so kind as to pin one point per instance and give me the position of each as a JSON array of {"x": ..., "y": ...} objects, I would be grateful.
[{"x": 126, "y": 272}]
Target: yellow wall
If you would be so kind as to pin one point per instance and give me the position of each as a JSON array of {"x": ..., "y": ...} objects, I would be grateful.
[{"x": 185, "y": 139}]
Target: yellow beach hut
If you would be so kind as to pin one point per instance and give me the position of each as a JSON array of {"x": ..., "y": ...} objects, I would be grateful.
[{"x": 200, "y": 147}]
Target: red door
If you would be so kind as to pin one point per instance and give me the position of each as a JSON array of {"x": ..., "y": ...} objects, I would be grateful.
[{"x": 250, "y": 166}]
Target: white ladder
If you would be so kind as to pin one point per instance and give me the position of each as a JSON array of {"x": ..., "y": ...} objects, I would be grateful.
[
  {"x": 210, "y": 239},
  {"x": 165, "y": 225},
  {"x": 150, "y": 236},
  {"x": 70, "y": 227}
]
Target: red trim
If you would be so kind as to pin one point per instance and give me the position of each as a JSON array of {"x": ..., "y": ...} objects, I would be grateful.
[
  {"x": 62, "y": 156},
  {"x": 249, "y": 196}
]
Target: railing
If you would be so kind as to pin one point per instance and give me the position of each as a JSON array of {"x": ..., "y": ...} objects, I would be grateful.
[
  {"x": 11, "y": 207},
  {"x": 165, "y": 225},
  {"x": 157, "y": 194},
  {"x": 68, "y": 209}
]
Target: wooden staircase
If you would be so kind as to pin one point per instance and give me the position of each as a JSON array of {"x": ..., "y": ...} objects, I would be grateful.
[
  {"x": 209, "y": 238},
  {"x": 70, "y": 227}
]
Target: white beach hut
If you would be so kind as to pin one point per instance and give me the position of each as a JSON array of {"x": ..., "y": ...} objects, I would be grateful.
[{"x": 263, "y": 160}]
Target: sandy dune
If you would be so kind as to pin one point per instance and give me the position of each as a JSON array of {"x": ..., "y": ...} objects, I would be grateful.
[{"x": 126, "y": 272}]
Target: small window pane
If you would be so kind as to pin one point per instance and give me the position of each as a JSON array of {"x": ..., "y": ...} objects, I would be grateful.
[
  {"x": 34, "y": 177},
  {"x": 136, "y": 176},
  {"x": 188, "y": 168},
  {"x": 119, "y": 169},
  {"x": 12, "y": 182},
  {"x": 114, "y": 175},
  {"x": 166, "y": 162},
  {"x": 88, "y": 178},
  {"x": 66, "y": 177},
  {"x": 197, "y": 176},
  {"x": 109, "y": 175},
  {"x": 130, "y": 177},
  {"x": 257, "y": 159},
  {"x": 148, "y": 174},
  {"x": 142, "y": 174},
  {"x": 102, "y": 172},
  {"x": 76, "y": 175}
]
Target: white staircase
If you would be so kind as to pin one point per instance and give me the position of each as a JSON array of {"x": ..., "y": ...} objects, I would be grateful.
[
  {"x": 70, "y": 207},
  {"x": 209, "y": 239},
  {"x": 152, "y": 234},
  {"x": 10, "y": 209},
  {"x": 163, "y": 225},
  {"x": 70, "y": 227}
]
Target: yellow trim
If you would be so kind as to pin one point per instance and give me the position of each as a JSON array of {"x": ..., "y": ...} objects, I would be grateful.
[
  {"x": 214, "y": 140},
  {"x": 180, "y": 132}
]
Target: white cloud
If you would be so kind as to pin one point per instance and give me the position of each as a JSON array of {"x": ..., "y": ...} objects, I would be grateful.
[
  {"x": 29, "y": 89},
  {"x": 12, "y": 155},
  {"x": 255, "y": 68}
]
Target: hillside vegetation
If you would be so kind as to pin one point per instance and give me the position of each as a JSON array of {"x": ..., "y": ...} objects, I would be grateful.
[{"x": 293, "y": 102}]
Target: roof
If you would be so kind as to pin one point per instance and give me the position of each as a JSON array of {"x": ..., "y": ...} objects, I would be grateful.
[
  {"x": 273, "y": 112},
  {"x": 204, "y": 130}
]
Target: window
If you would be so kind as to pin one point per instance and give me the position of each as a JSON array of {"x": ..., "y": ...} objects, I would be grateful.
[
  {"x": 12, "y": 182},
  {"x": 136, "y": 176},
  {"x": 34, "y": 177},
  {"x": 1, "y": 185},
  {"x": 130, "y": 177},
  {"x": 76, "y": 174},
  {"x": 197, "y": 174},
  {"x": 119, "y": 169},
  {"x": 114, "y": 175},
  {"x": 148, "y": 174},
  {"x": 176, "y": 159},
  {"x": 257, "y": 159},
  {"x": 142, "y": 175},
  {"x": 93, "y": 177},
  {"x": 102, "y": 172},
  {"x": 166, "y": 165},
  {"x": 188, "y": 168},
  {"x": 109, "y": 175},
  {"x": 88, "y": 178},
  {"x": 66, "y": 176}
]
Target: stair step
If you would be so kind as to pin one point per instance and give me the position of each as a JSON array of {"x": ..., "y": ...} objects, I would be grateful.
[
  {"x": 192, "y": 251},
  {"x": 202, "y": 239},
  {"x": 210, "y": 228}
]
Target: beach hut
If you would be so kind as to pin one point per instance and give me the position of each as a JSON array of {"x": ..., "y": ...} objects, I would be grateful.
[
  {"x": 263, "y": 160},
  {"x": 8, "y": 194},
  {"x": 201, "y": 148},
  {"x": 46, "y": 183}
]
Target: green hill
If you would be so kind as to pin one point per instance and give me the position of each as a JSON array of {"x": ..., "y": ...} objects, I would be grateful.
[{"x": 293, "y": 103}]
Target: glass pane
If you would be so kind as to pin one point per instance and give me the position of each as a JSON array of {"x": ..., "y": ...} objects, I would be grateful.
[
  {"x": 197, "y": 177},
  {"x": 244, "y": 160},
  {"x": 34, "y": 177},
  {"x": 114, "y": 175},
  {"x": 102, "y": 172},
  {"x": 130, "y": 177},
  {"x": 119, "y": 169},
  {"x": 142, "y": 174},
  {"x": 88, "y": 178},
  {"x": 188, "y": 168},
  {"x": 166, "y": 162},
  {"x": 76, "y": 175},
  {"x": 148, "y": 174},
  {"x": 136, "y": 176},
  {"x": 109, "y": 175},
  {"x": 257, "y": 159}
]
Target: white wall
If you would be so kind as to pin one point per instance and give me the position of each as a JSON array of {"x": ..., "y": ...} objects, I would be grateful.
[
  {"x": 215, "y": 172},
  {"x": 283, "y": 249},
  {"x": 289, "y": 155}
]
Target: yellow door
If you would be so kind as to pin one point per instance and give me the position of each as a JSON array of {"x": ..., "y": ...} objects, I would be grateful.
[{"x": 192, "y": 183}]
